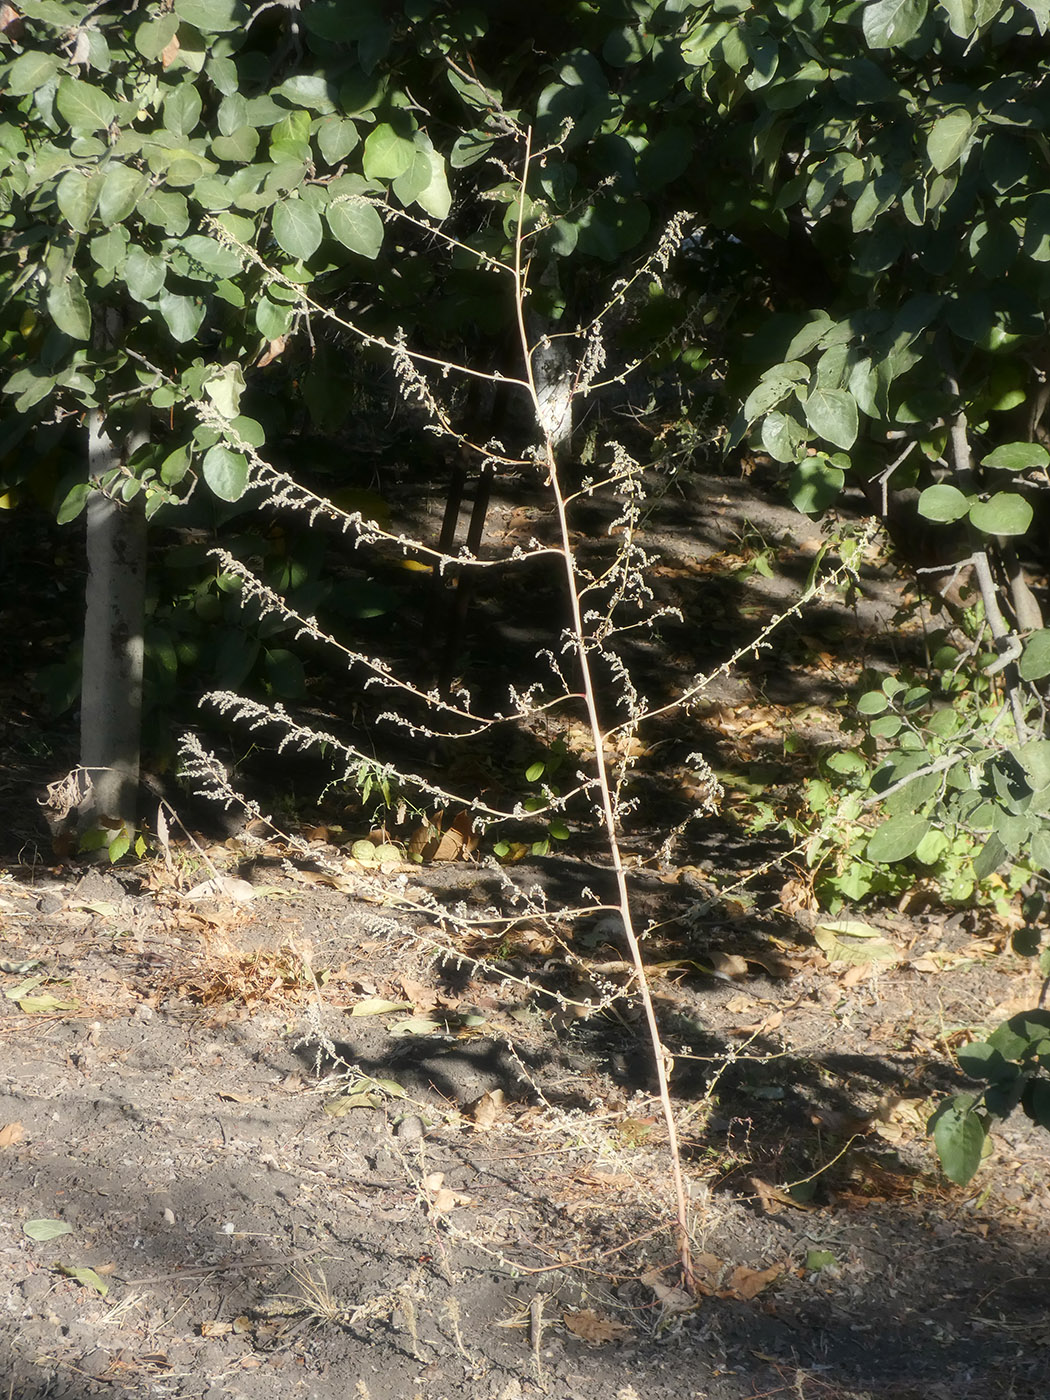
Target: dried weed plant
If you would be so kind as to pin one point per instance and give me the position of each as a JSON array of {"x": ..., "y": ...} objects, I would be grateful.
[{"x": 603, "y": 606}]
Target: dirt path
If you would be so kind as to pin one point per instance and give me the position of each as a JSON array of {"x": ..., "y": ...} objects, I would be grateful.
[{"x": 267, "y": 1223}]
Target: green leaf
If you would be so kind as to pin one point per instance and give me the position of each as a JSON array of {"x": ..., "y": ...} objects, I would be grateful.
[
  {"x": 109, "y": 249},
  {"x": 311, "y": 90},
  {"x": 285, "y": 674},
  {"x": 1035, "y": 659},
  {"x": 888, "y": 24},
  {"x": 424, "y": 182},
  {"x": 225, "y": 390},
  {"x": 75, "y": 501},
  {"x": 119, "y": 847},
  {"x": 873, "y": 702},
  {"x": 1005, "y": 513},
  {"x": 212, "y": 16},
  {"x": 357, "y": 226},
  {"x": 84, "y": 107},
  {"x": 990, "y": 857},
  {"x": 182, "y": 108},
  {"x": 814, "y": 484},
  {"x": 943, "y": 502},
  {"x": 77, "y": 197},
  {"x": 290, "y": 137},
  {"x": 947, "y": 139},
  {"x": 152, "y": 38},
  {"x": 175, "y": 466},
  {"x": 833, "y": 414},
  {"x": 225, "y": 472},
  {"x": 959, "y": 1137},
  {"x": 1017, "y": 457},
  {"x": 297, "y": 228},
  {"x": 68, "y": 307},
  {"x": 272, "y": 318},
  {"x": 962, "y": 16},
  {"x": 896, "y": 839},
  {"x": 30, "y": 71},
  {"x": 83, "y": 1275},
  {"x": 336, "y": 138},
  {"x": 387, "y": 155},
  {"x": 121, "y": 189},
  {"x": 208, "y": 255},
  {"x": 818, "y": 1259},
  {"x": 534, "y": 772},
  {"x": 143, "y": 274},
  {"x": 165, "y": 209},
  {"x": 41, "y": 1230},
  {"x": 782, "y": 435},
  {"x": 182, "y": 315}
]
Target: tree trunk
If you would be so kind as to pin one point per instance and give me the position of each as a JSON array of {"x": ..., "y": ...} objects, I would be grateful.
[{"x": 111, "y": 692}]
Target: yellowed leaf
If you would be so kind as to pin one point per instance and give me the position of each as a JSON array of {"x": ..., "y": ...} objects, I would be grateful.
[
  {"x": 378, "y": 1006},
  {"x": 589, "y": 1327}
]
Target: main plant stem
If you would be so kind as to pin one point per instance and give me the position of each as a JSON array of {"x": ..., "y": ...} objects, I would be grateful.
[{"x": 660, "y": 1055}]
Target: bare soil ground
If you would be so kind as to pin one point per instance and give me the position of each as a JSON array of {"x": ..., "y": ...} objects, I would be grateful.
[{"x": 297, "y": 1143}]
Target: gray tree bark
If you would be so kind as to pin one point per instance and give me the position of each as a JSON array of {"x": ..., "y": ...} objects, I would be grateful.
[{"x": 111, "y": 693}]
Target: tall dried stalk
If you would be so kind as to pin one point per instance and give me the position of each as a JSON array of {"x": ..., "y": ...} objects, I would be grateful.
[
  {"x": 605, "y": 790},
  {"x": 584, "y": 640}
]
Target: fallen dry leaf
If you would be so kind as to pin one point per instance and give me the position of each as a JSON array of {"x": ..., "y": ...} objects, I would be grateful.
[
  {"x": 422, "y": 997},
  {"x": 730, "y": 965},
  {"x": 589, "y": 1327},
  {"x": 486, "y": 1110},
  {"x": 442, "y": 1197},
  {"x": 748, "y": 1283},
  {"x": 273, "y": 351},
  {"x": 10, "y": 1134},
  {"x": 670, "y": 1296},
  {"x": 771, "y": 1199},
  {"x": 434, "y": 841},
  {"x": 216, "y": 1329},
  {"x": 10, "y": 22},
  {"x": 707, "y": 1271},
  {"x": 224, "y": 887},
  {"x": 739, "y": 1004}
]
